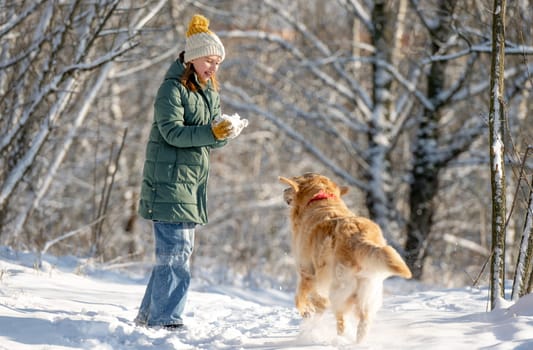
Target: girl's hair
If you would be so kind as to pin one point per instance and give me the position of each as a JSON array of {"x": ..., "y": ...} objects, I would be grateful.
[{"x": 188, "y": 80}]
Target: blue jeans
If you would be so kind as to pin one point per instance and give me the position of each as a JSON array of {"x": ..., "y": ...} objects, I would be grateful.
[{"x": 166, "y": 293}]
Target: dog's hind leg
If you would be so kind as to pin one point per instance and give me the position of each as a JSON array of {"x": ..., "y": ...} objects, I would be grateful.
[
  {"x": 306, "y": 285},
  {"x": 367, "y": 303},
  {"x": 365, "y": 318},
  {"x": 363, "y": 325},
  {"x": 339, "y": 315},
  {"x": 323, "y": 275},
  {"x": 342, "y": 309},
  {"x": 341, "y": 295}
]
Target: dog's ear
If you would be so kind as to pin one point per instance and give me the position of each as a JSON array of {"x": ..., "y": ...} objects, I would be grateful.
[
  {"x": 289, "y": 182},
  {"x": 344, "y": 190}
]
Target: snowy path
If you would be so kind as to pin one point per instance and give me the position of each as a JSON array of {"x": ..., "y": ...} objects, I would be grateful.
[{"x": 55, "y": 308}]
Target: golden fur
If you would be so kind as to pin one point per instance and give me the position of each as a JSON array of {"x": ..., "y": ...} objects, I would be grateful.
[{"x": 342, "y": 259}]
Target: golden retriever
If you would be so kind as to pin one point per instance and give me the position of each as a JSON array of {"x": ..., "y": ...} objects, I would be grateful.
[{"x": 342, "y": 259}]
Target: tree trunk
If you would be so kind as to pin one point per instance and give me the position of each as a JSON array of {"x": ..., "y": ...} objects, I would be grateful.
[
  {"x": 497, "y": 149},
  {"x": 426, "y": 166},
  {"x": 378, "y": 173},
  {"x": 523, "y": 271}
]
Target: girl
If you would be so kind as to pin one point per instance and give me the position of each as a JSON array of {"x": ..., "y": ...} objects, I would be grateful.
[{"x": 175, "y": 174}]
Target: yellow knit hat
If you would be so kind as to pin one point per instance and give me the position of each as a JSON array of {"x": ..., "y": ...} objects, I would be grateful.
[{"x": 201, "y": 41}]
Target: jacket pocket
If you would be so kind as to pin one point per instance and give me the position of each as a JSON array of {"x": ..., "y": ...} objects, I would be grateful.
[{"x": 188, "y": 173}]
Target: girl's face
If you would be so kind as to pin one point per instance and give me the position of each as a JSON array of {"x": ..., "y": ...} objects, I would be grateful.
[{"x": 206, "y": 66}]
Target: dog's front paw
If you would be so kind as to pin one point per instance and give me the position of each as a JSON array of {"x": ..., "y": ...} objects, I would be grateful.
[
  {"x": 304, "y": 308},
  {"x": 319, "y": 303}
]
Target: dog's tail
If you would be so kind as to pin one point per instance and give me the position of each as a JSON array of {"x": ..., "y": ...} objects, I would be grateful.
[
  {"x": 395, "y": 262},
  {"x": 384, "y": 259}
]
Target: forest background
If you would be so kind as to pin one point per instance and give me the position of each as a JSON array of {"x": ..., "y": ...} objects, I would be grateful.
[{"x": 388, "y": 97}]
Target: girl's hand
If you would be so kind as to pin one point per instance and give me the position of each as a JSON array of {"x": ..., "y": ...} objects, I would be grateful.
[{"x": 222, "y": 129}]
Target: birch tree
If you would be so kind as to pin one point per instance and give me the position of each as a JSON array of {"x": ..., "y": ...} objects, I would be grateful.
[
  {"x": 497, "y": 118},
  {"x": 524, "y": 261}
]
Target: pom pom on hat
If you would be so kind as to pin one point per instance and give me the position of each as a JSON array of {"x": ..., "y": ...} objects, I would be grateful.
[
  {"x": 201, "y": 41},
  {"x": 198, "y": 24}
]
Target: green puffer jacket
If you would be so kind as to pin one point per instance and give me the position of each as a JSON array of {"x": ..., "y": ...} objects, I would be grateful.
[{"x": 176, "y": 169}]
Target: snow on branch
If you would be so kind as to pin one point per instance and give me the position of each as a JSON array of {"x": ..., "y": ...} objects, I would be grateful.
[
  {"x": 38, "y": 140},
  {"x": 312, "y": 65},
  {"x": 356, "y": 7},
  {"x": 63, "y": 83},
  {"x": 481, "y": 48},
  {"x": 64, "y": 236},
  {"x": 364, "y": 102},
  {"x": 21, "y": 16},
  {"x": 110, "y": 56},
  {"x": 407, "y": 84},
  {"x": 466, "y": 243},
  {"x": 253, "y": 108}
]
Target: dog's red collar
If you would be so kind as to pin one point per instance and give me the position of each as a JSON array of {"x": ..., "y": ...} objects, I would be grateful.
[{"x": 321, "y": 195}]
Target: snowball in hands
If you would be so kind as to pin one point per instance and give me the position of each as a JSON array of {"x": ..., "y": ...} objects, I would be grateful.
[{"x": 236, "y": 121}]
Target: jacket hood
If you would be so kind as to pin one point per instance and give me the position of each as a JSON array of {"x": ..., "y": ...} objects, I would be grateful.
[{"x": 175, "y": 71}]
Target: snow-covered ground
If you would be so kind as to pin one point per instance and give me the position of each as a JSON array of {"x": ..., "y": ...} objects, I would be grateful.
[{"x": 66, "y": 305}]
